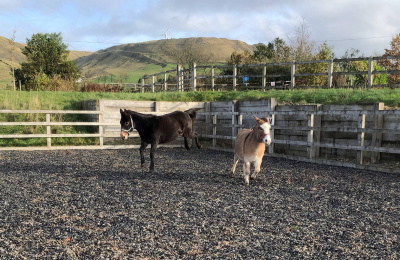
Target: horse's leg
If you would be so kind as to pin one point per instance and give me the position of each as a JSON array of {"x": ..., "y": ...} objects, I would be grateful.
[
  {"x": 152, "y": 154},
  {"x": 188, "y": 133},
  {"x": 235, "y": 162},
  {"x": 186, "y": 143},
  {"x": 143, "y": 146},
  {"x": 197, "y": 141},
  {"x": 246, "y": 172},
  {"x": 257, "y": 168}
]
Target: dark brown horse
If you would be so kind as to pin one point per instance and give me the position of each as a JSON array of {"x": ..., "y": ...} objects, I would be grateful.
[{"x": 156, "y": 130}]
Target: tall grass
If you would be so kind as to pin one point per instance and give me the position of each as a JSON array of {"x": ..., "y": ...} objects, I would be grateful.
[{"x": 72, "y": 100}]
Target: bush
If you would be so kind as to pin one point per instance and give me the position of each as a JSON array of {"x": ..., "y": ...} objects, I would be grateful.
[
  {"x": 96, "y": 87},
  {"x": 42, "y": 82}
]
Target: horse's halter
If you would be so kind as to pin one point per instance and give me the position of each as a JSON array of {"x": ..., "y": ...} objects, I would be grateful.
[{"x": 131, "y": 128}]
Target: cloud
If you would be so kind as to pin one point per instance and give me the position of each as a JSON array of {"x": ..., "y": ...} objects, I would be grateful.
[{"x": 92, "y": 25}]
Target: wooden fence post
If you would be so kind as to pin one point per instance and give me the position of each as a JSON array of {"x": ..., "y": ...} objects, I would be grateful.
[
  {"x": 234, "y": 121},
  {"x": 194, "y": 75},
  {"x": 212, "y": 78},
  {"x": 234, "y": 77},
  {"x": 152, "y": 83},
  {"x": 178, "y": 77},
  {"x": 264, "y": 77},
  {"x": 240, "y": 122},
  {"x": 330, "y": 72},
  {"x": 101, "y": 119},
  {"x": 165, "y": 81},
  {"x": 292, "y": 77},
  {"x": 370, "y": 70},
  {"x": 214, "y": 141},
  {"x": 207, "y": 109},
  {"x": 313, "y": 135},
  {"x": 48, "y": 130},
  {"x": 271, "y": 107},
  {"x": 101, "y": 138},
  {"x": 361, "y": 138},
  {"x": 310, "y": 136},
  {"x": 377, "y": 134},
  {"x": 142, "y": 86}
]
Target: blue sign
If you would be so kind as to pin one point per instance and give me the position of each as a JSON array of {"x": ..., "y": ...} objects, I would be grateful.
[{"x": 246, "y": 79}]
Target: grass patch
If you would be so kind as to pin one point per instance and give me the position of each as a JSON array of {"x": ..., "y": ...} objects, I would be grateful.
[{"x": 136, "y": 75}]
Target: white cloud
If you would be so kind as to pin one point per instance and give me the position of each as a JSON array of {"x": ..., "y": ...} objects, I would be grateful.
[{"x": 92, "y": 25}]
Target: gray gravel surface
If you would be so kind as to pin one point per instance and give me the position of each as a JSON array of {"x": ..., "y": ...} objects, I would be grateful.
[{"x": 83, "y": 204}]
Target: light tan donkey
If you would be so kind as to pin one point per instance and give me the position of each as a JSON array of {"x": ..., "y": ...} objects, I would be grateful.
[{"x": 250, "y": 147}]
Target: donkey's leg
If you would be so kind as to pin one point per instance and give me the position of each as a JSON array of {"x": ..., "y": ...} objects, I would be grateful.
[
  {"x": 257, "y": 168},
  {"x": 152, "y": 155},
  {"x": 143, "y": 146},
  {"x": 189, "y": 133},
  {"x": 186, "y": 143},
  {"x": 197, "y": 141},
  {"x": 235, "y": 162},
  {"x": 246, "y": 172}
]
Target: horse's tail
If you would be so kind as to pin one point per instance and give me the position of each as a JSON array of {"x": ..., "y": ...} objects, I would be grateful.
[{"x": 192, "y": 113}]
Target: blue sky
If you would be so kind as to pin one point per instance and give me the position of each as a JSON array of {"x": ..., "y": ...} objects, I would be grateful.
[{"x": 90, "y": 25}]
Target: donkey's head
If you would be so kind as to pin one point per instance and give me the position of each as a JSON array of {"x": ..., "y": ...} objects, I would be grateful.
[
  {"x": 263, "y": 130},
  {"x": 127, "y": 124}
]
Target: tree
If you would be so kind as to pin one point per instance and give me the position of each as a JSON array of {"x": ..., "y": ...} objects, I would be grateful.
[
  {"x": 392, "y": 64},
  {"x": 240, "y": 58},
  {"x": 263, "y": 52},
  {"x": 275, "y": 51},
  {"x": 353, "y": 66},
  {"x": 47, "y": 59},
  {"x": 324, "y": 53},
  {"x": 301, "y": 46}
]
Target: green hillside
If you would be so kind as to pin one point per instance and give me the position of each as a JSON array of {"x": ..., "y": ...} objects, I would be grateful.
[
  {"x": 136, "y": 58},
  {"x": 132, "y": 60}
]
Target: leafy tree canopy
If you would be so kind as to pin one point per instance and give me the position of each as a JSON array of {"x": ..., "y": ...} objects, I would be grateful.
[
  {"x": 46, "y": 57},
  {"x": 392, "y": 64}
]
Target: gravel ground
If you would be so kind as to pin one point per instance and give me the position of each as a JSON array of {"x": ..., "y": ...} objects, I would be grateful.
[{"x": 97, "y": 204}]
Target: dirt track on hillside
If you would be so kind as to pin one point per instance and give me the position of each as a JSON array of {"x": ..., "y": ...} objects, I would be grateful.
[{"x": 101, "y": 205}]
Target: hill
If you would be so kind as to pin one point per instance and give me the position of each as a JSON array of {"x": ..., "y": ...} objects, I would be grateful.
[
  {"x": 141, "y": 58},
  {"x": 5, "y": 58},
  {"x": 126, "y": 58}
]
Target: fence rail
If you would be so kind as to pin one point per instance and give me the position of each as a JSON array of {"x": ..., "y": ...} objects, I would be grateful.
[
  {"x": 210, "y": 124},
  {"x": 192, "y": 80}
]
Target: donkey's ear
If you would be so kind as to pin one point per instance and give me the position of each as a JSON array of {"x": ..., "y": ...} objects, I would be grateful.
[
  {"x": 256, "y": 118},
  {"x": 267, "y": 119},
  {"x": 120, "y": 110}
]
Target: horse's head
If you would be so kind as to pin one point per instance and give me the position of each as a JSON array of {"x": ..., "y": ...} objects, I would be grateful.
[
  {"x": 263, "y": 129},
  {"x": 127, "y": 124}
]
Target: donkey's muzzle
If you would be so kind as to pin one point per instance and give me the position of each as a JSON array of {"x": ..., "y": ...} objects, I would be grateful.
[{"x": 124, "y": 135}]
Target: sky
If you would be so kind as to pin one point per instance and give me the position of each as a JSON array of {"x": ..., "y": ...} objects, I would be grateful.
[{"x": 92, "y": 25}]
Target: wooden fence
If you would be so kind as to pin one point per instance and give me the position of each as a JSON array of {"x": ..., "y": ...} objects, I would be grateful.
[
  {"x": 359, "y": 136},
  {"x": 216, "y": 78}
]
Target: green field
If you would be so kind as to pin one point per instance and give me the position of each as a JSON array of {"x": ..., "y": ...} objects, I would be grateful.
[{"x": 136, "y": 75}]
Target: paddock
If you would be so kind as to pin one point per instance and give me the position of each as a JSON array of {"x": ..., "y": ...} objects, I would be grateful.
[{"x": 100, "y": 204}]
